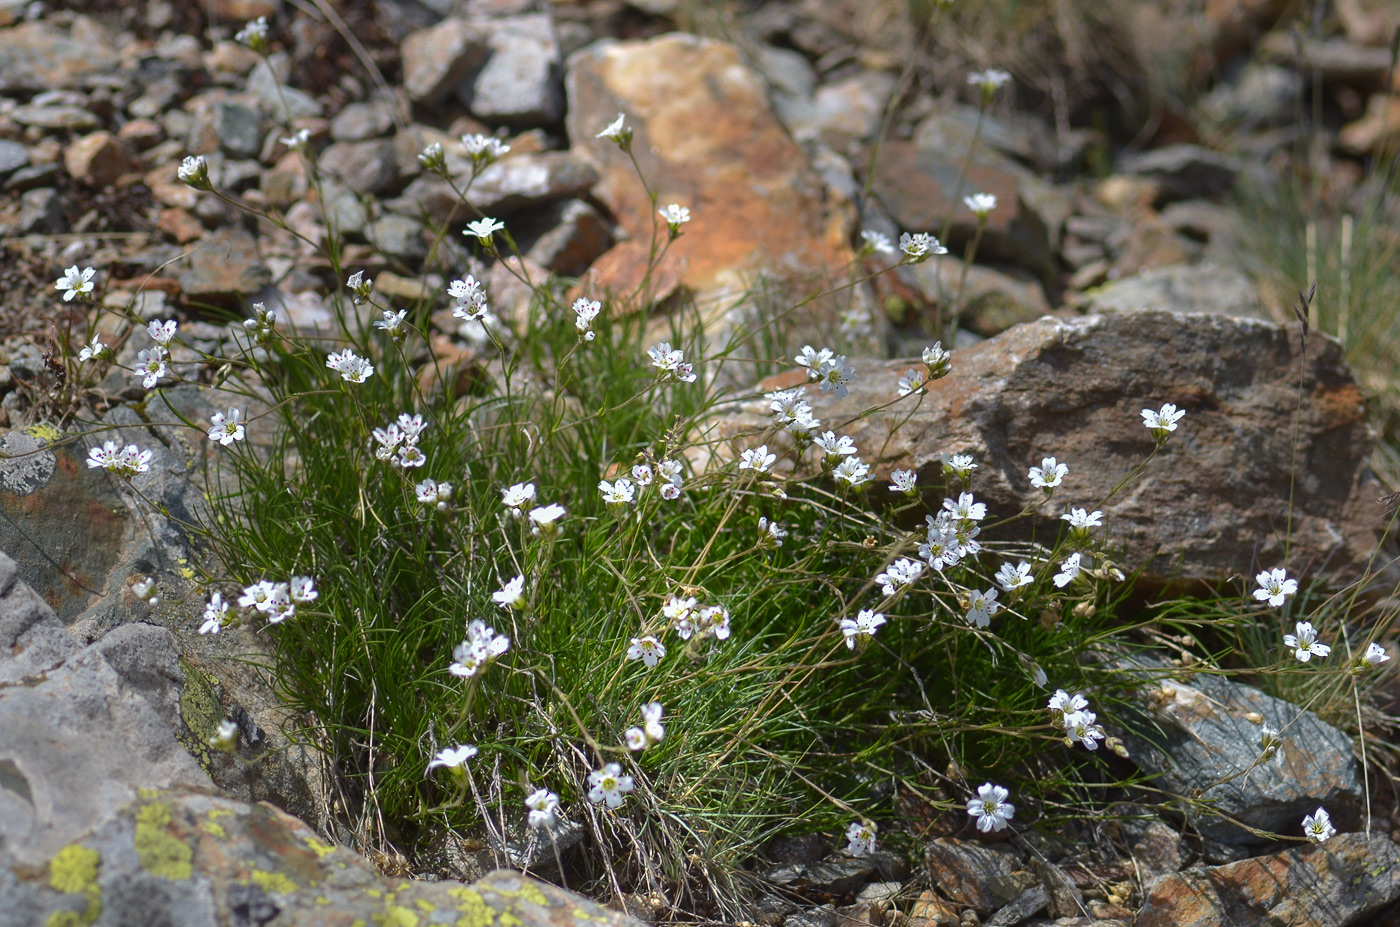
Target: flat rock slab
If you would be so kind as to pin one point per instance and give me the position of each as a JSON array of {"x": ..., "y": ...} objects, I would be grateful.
[
  {"x": 755, "y": 202},
  {"x": 1201, "y": 734},
  {"x": 36, "y": 56},
  {"x": 1337, "y": 884},
  {"x": 199, "y": 860},
  {"x": 1212, "y": 504}
]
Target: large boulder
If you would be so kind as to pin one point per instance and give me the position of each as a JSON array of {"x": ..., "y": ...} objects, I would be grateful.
[{"x": 1236, "y": 489}]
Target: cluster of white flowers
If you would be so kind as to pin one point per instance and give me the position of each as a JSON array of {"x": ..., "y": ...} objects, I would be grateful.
[
  {"x": 125, "y": 462},
  {"x": 351, "y": 367},
  {"x": 585, "y": 311},
  {"x": 792, "y": 411},
  {"x": 938, "y": 361},
  {"x": 899, "y": 575},
  {"x": 671, "y": 362},
  {"x": 474, "y": 654},
  {"x": 260, "y": 326},
  {"x": 831, "y": 371},
  {"x": 483, "y": 150},
  {"x": 145, "y": 589},
  {"x": 254, "y": 35},
  {"x": 278, "y": 601},
  {"x": 398, "y": 443},
  {"x": 1072, "y": 714},
  {"x": 650, "y": 732},
  {"x": 469, "y": 300},
  {"x": 952, "y": 533},
  {"x": 431, "y": 492}
]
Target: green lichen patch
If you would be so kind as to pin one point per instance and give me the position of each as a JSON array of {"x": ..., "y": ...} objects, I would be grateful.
[
  {"x": 161, "y": 853},
  {"x": 274, "y": 882},
  {"x": 201, "y": 711},
  {"x": 322, "y": 850},
  {"x": 396, "y": 915},
  {"x": 73, "y": 870},
  {"x": 472, "y": 907}
]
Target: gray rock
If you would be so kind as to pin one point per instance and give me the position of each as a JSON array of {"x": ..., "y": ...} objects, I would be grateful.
[
  {"x": 1030, "y": 902},
  {"x": 520, "y": 84},
  {"x": 360, "y": 121},
  {"x": 437, "y": 59},
  {"x": 70, "y": 118},
  {"x": 824, "y": 916},
  {"x": 281, "y": 101},
  {"x": 28, "y": 178},
  {"x": 40, "y": 211},
  {"x": 239, "y": 127},
  {"x": 1053, "y": 384},
  {"x": 1184, "y": 171},
  {"x": 1340, "y": 883},
  {"x": 223, "y": 268},
  {"x": 1194, "y": 733},
  {"x": 397, "y": 236},
  {"x": 1202, "y": 287},
  {"x": 990, "y": 301},
  {"x": 38, "y": 56},
  {"x": 1260, "y": 95},
  {"x": 1158, "y": 851},
  {"x": 365, "y": 167},
  {"x": 982, "y": 877},
  {"x": 517, "y": 183},
  {"x": 847, "y": 112}
]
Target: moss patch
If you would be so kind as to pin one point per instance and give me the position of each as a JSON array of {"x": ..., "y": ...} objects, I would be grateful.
[
  {"x": 73, "y": 870},
  {"x": 472, "y": 907},
  {"x": 160, "y": 853},
  {"x": 201, "y": 711}
]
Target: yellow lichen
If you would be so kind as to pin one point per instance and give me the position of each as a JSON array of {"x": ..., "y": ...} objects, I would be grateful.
[
  {"x": 425, "y": 905},
  {"x": 506, "y": 919},
  {"x": 73, "y": 870},
  {"x": 322, "y": 900},
  {"x": 65, "y": 919},
  {"x": 274, "y": 882},
  {"x": 396, "y": 915},
  {"x": 319, "y": 848},
  {"x": 473, "y": 908},
  {"x": 160, "y": 853}
]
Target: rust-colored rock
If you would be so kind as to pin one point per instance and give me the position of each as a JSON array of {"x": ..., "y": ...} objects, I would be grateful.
[
  {"x": 1336, "y": 884},
  {"x": 706, "y": 138},
  {"x": 1212, "y": 504}
]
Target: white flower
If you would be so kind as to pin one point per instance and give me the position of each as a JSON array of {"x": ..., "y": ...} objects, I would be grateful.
[
  {"x": 517, "y": 497},
  {"x": 904, "y": 481},
  {"x": 941, "y": 549},
  {"x": 608, "y": 785},
  {"x": 989, "y": 81},
  {"x": 298, "y": 140},
  {"x": 226, "y": 428},
  {"x": 351, "y": 367},
  {"x": 1275, "y": 586},
  {"x": 585, "y": 311},
  {"x": 642, "y": 475},
  {"x": 899, "y": 575},
  {"x": 1062, "y": 705},
  {"x": 651, "y": 732},
  {"x": 712, "y": 621},
  {"x": 1269, "y": 742},
  {"x": 770, "y": 533},
  {"x": 1011, "y": 578},
  {"x": 671, "y": 363},
  {"x": 162, "y": 332},
  {"x": 195, "y": 172},
  {"x": 225, "y": 737},
  {"x": 813, "y": 360},
  {"x": 433, "y": 159},
  {"x": 512, "y": 594},
  {"x": 618, "y": 132},
  {"x": 215, "y": 614},
  {"x": 545, "y": 519},
  {"x": 258, "y": 595},
  {"x": 261, "y": 324},
  {"x": 1375, "y": 655},
  {"x": 620, "y": 493},
  {"x": 980, "y": 204},
  {"x": 1081, "y": 521},
  {"x": 431, "y": 492},
  {"x": 254, "y": 35},
  {"x": 483, "y": 149},
  {"x": 876, "y": 242},
  {"x": 681, "y": 612},
  {"x": 470, "y": 298},
  {"x": 990, "y": 808},
  {"x": 1080, "y": 727},
  {"x": 981, "y": 606},
  {"x": 1305, "y": 642},
  {"x": 1069, "y": 570},
  {"x": 453, "y": 758},
  {"x": 835, "y": 447},
  {"x": 960, "y": 466},
  {"x": 303, "y": 589},
  {"x": 1162, "y": 423},
  {"x": 675, "y": 216},
  {"x": 852, "y": 471},
  {"x": 124, "y": 462},
  {"x": 965, "y": 509},
  {"x": 670, "y": 471},
  {"x": 410, "y": 455},
  {"x": 483, "y": 229},
  {"x": 912, "y": 381},
  {"x": 392, "y": 324},
  {"x": 757, "y": 458},
  {"x": 544, "y": 809},
  {"x": 647, "y": 649},
  {"x": 919, "y": 247},
  {"x": 482, "y": 646},
  {"x": 95, "y": 350},
  {"x": 939, "y": 361},
  {"x": 278, "y": 605},
  {"x": 835, "y": 376},
  {"x": 359, "y": 287},
  {"x": 146, "y": 589},
  {"x": 1048, "y": 475},
  {"x": 1318, "y": 827},
  {"x": 860, "y": 630},
  {"x": 150, "y": 365},
  {"x": 860, "y": 839},
  {"x": 671, "y": 491}
]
